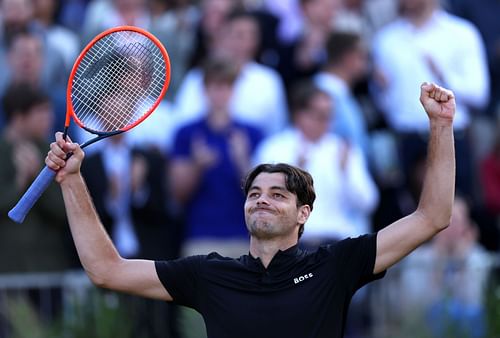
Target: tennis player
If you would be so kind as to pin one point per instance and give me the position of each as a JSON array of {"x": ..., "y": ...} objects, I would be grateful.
[{"x": 276, "y": 290}]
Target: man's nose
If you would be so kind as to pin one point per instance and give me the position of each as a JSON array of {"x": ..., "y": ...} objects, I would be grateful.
[{"x": 262, "y": 200}]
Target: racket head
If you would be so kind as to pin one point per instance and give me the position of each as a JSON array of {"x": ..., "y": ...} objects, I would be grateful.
[{"x": 117, "y": 81}]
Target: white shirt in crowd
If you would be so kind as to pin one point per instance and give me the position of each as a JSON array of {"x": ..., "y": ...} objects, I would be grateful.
[
  {"x": 402, "y": 52},
  {"x": 258, "y": 98}
]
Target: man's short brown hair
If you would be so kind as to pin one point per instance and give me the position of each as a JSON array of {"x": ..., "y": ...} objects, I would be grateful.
[{"x": 219, "y": 70}]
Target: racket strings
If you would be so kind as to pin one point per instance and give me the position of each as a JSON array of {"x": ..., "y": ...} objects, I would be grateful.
[
  {"x": 120, "y": 100},
  {"x": 125, "y": 68},
  {"x": 118, "y": 81}
]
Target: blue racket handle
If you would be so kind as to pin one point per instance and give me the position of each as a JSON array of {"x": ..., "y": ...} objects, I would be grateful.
[{"x": 39, "y": 185}]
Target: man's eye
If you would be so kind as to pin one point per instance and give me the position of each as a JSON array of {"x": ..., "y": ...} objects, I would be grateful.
[
  {"x": 253, "y": 195},
  {"x": 276, "y": 195}
]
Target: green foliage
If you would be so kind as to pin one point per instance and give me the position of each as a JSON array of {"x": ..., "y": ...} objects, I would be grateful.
[
  {"x": 493, "y": 307},
  {"x": 98, "y": 315},
  {"x": 24, "y": 321}
]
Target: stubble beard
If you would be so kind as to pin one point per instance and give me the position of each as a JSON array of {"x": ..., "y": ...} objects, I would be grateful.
[{"x": 260, "y": 229}]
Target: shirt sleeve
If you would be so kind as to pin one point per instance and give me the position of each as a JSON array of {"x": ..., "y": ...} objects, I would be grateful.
[
  {"x": 356, "y": 260},
  {"x": 180, "y": 278}
]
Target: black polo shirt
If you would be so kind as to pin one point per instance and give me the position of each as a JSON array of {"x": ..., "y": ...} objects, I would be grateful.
[{"x": 299, "y": 295}]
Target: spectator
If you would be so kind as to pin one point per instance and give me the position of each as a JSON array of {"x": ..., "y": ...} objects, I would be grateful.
[
  {"x": 405, "y": 55},
  {"x": 26, "y": 56},
  {"x": 306, "y": 54},
  {"x": 398, "y": 200},
  {"x": 444, "y": 282},
  {"x": 490, "y": 176},
  {"x": 483, "y": 14},
  {"x": 40, "y": 243},
  {"x": 103, "y": 14},
  {"x": 488, "y": 213},
  {"x": 346, "y": 192},
  {"x": 131, "y": 201},
  {"x": 28, "y": 62},
  {"x": 210, "y": 157},
  {"x": 17, "y": 18},
  {"x": 213, "y": 15},
  {"x": 259, "y": 96},
  {"x": 347, "y": 64},
  {"x": 58, "y": 37},
  {"x": 176, "y": 28}
]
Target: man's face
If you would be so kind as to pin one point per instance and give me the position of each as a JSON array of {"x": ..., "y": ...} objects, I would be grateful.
[
  {"x": 271, "y": 210},
  {"x": 241, "y": 38},
  {"x": 315, "y": 120},
  {"x": 219, "y": 94},
  {"x": 16, "y": 13},
  {"x": 26, "y": 59},
  {"x": 213, "y": 14},
  {"x": 416, "y": 7}
]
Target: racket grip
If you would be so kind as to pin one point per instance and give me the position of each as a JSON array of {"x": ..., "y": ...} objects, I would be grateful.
[{"x": 39, "y": 185}]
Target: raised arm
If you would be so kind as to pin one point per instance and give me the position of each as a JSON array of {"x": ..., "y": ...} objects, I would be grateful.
[
  {"x": 99, "y": 257},
  {"x": 434, "y": 209}
]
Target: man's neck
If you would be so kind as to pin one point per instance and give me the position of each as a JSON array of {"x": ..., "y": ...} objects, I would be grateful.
[
  {"x": 265, "y": 250},
  {"x": 219, "y": 119}
]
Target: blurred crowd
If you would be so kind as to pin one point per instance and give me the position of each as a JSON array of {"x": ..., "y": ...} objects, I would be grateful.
[{"x": 331, "y": 86}]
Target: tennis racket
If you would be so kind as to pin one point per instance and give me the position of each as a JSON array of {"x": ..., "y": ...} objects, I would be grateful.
[{"x": 117, "y": 81}]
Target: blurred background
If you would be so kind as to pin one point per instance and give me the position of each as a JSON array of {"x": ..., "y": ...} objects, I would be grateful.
[{"x": 328, "y": 85}]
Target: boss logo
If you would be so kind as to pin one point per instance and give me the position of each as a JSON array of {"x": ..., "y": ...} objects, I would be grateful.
[{"x": 302, "y": 278}]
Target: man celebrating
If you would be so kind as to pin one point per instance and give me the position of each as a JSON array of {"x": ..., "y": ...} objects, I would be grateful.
[{"x": 276, "y": 290}]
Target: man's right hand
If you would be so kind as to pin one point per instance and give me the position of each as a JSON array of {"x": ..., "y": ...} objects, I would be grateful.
[
  {"x": 438, "y": 102},
  {"x": 57, "y": 157}
]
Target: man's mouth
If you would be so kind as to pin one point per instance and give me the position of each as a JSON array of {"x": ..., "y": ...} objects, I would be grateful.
[{"x": 267, "y": 210}]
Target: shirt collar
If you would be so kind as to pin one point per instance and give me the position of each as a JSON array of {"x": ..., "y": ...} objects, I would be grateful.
[{"x": 281, "y": 260}]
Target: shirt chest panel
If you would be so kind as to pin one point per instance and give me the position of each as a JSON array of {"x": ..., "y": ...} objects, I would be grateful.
[{"x": 294, "y": 300}]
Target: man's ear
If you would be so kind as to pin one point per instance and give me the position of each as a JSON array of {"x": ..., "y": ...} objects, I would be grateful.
[{"x": 303, "y": 214}]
